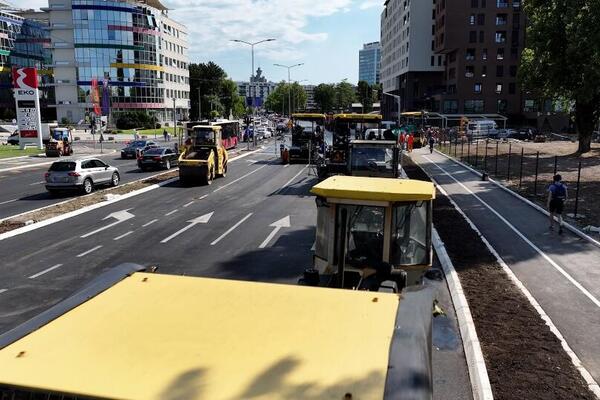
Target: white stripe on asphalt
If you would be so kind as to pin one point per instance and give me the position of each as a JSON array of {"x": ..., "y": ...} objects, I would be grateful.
[
  {"x": 123, "y": 235},
  {"x": 8, "y": 201},
  {"x": 171, "y": 213},
  {"x": 149, "y": 223},
  {"x": 37, "y": 183},
  {"x": 85, "y": 253},
  {"x": 231, "y": 229},
  {"x": 286, "y": 165},
  {"x": 522, "y": 236},
  {"x": 188, "y": 204},
  {"x": 45, "y": 271},
  {"x": 239, "y": 179},
  {"x": 292, "y": 180},
  {"x": 3, "y": 290}
]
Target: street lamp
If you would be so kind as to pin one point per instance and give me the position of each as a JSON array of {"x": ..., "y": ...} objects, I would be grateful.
[
  {"x": 252, "y": 44},
  {"x": 289, "y": 67},
  {"x": 399, "y": 104}
]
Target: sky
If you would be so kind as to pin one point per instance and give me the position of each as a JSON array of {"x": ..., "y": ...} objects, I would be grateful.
[{"x": 325, "y": 35}]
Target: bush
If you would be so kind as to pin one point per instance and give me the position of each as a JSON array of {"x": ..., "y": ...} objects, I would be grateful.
[{"x": 135, "y": 119}]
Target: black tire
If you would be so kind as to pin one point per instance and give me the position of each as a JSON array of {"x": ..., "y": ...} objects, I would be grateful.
[
  {"x": 144, "y": 169},
  {"x": 88, "y": 186},
  {"x": 115, "y": 179},
  {"x": 52, "y": 192}
]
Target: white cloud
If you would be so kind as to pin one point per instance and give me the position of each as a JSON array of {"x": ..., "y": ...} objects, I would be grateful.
[
  {"x": 34, "y": 4},
  {"x": 213, "y": 23},
  {"x": 370, "y": 4}
]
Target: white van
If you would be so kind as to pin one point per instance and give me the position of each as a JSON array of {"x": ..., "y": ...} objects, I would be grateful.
[{"x": 482, "y": 128}]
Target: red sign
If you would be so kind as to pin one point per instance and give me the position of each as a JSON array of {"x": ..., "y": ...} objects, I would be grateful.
[
  {"x": 24, "y": 78},
  {"x": 95, "y": 97},
  {"x": 29, "y": 134}
]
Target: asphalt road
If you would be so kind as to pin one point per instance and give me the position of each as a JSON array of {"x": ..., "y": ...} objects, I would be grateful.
[{"x": 561, "y": 272}]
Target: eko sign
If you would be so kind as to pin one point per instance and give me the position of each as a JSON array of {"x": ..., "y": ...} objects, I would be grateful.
[{"x": 26, "y": 92}]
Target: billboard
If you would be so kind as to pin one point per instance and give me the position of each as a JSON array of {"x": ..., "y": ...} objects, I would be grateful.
[{"x": 26, "y": 93}]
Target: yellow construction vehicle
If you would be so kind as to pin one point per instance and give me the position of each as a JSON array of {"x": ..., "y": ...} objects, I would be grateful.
[
  {"x": 60, "y": 143},
  {"x": 203, "y": 157}
]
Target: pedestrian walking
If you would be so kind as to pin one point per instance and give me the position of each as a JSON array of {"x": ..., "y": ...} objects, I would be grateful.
[
  {"x": 136, "y": 136},
  {"x": 431, "y": 143},
  {"x": 165, "y": 134},
  {"x": 557, "y": 195},
  {"x": 411, "y": 142}
]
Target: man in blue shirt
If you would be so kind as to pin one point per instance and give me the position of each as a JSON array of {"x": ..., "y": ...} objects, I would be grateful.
[{"x": 557, "y": 195}]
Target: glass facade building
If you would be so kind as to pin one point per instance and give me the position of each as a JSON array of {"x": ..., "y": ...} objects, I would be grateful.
[{"x": 369, "y": 62}]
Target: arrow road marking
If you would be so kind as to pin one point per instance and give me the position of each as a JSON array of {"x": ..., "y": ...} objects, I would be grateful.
[
  {"x": 193, "y": 222},
  {"x": 45, "y": 271},
  {"x": 230, "y": 230},
  {"x": 282, "y": 223},
  {"x": 120, "y": 216}
]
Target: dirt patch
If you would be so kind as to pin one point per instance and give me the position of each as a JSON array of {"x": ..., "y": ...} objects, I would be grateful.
[
  {"x": 519, "y": 171},
  {"x": 77, "y": 203},
  {"x": 523, "y": 357}
]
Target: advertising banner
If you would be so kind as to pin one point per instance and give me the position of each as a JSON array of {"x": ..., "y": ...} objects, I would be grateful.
[{"x": 26, "y": 93}]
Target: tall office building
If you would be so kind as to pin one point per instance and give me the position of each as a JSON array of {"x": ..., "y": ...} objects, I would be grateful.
[
  {"x": 369, "y": 63},
  {"x": 257, "y": 90},
  {"x": 131, "y": 47},
  {"x": 482, "y": 41},
  {"x": 409, "y": 67}
]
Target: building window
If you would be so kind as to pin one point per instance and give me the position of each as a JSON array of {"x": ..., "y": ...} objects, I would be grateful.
[
  {"x": 473, "y": 37},
  {"x": 472, "y": 19},
  {"x": 502, "y": 3},
  {"x": 432, "y": 61},
  {"x": 477, "y": 88},
  {"x": 513, "y": 71},
  {"x": 484, "y": 54},
  {"x": 474, "y": 3},
  {"x": 481, "y": 19},
  {"x": 512, "y": 88},
  {"x": 481, "y": 36},
  {"x": 500, "y": 36},
  {"x": 450, "y": 106},
  {"x": 500, "y": 54},
  {"x": 502, "y": 106},
  {"x": 451, "y": 89},
  {"x": 501, "y": 19},
  {"x": 470, "y": 55},
  {"x": 499, "y": 71},
  {"x": 484, "y": 71},
  {"x": 498, "y": 88},
  {"x": 469, "y": 71},
  {"x": 452, "y": 73},
  {"x": 530, "y": 106},
  {"x": 474, "y": 106}
]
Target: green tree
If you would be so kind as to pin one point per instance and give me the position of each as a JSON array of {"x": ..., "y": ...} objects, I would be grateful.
[
  {"x": 279, "y": 100},
  {"x": 365, "y": 95},
  {"x": 209, "y": 77},
  {"x": 325, "y": 97},
  {"x": 562, "y": 57},
  {"x": 345, "y": 95}
]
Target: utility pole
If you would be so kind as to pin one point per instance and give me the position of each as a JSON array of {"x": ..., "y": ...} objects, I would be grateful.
[
  {"x": 289, "y": 67},
  {"x": 199, "y": 103},
  {"x": 174, "y": 117}
]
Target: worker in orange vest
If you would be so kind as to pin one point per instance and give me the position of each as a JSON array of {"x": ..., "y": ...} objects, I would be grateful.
[{"x": 411, "y": 141}]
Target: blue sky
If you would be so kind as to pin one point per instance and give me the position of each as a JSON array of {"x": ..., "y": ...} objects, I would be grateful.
[{"x": 326, "y": 35}]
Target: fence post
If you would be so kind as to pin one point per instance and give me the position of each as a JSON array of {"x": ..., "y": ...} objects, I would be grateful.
[
  {"x": 455, "y": 146},
  {"x": 577, "y": 190},
  {"x": 508, "y": 169},
  {"x": 537, "y": 164},
  {"x": 462, "y": 149},
  {"x": 485, "y": 156},
  {"x": 521, "y": 169},
  {"x": 476, "y": 152},
  {"x": 469, "y": 152},
  {"x": 555, "y": 165},
  {"x": 496, "y": 169}
]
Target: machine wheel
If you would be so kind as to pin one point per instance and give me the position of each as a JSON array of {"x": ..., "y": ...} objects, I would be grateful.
[
  {"x": 88, "y": 186},
  {"x": 168, "y": 164},
  {"x": 52, "y": 192},
  {"x": 115, "y": 179},
  {"x": 224, "y": 174}
]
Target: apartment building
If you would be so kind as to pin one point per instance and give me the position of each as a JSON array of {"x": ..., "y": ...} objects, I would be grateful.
[{"x": 369, "y": 63}]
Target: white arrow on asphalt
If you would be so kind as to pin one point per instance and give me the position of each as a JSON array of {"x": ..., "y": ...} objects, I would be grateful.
[
  {"x": 193, "y": 222},
  {"x": 282, "y": 223},
  {"x": 120, "y": 216}
]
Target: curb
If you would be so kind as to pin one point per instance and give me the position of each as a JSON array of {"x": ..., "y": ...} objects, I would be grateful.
[
  {"x": 480, "y": 382},
  {"x": 587, "y": 377},
  {"x": 569, "y": 226},
  {"x": 50, "y": 221}
]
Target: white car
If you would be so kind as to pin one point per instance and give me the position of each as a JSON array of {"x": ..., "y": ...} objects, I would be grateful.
[{"x": 268, "y": 133}]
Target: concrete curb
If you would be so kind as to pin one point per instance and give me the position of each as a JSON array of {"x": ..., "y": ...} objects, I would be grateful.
[
  {"x": 480, "y": 382},
  {"x": 587, "y": 377},
  {"x": 50, "y": 162},
  {"x": 53, "y": 220},
  {"x": 569, "y": 226}
]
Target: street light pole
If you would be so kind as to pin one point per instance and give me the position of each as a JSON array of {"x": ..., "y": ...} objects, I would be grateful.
[
  {"x": 199, "y": 104},
  {"x": 399, "y": 104},
  {"x": 289, "y": 67}
]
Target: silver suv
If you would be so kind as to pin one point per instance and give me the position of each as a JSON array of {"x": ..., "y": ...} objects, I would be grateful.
[{"x": 83, "y": 174}]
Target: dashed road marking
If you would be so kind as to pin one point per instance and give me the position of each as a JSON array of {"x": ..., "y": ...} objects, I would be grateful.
[
  {"x": 171, "y": 213},
  {"x": 240, "y": 178},
  {"x": 37, "y": 183},
  {"x": 3, "y": 290},
  {"x": 123, "y": 235},
  {"x": 8, "y": 201},
  {"x": 85, "y": 253},
  {"x": 45, "y": 271},
  {"x": 149, "y": 223},
  {"x": 188, "y": 204}
]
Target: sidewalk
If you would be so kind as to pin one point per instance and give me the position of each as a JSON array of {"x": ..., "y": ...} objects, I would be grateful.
[{"x": 561, "y": 272}]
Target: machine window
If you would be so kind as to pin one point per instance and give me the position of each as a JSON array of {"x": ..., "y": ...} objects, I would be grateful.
[
  {"x": 372, "y": 159},
  {"x": 364, "y": 235},
  {"x": 409, "y": 235}
]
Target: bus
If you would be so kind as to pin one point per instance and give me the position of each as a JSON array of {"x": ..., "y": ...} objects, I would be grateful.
[{"x": 230, "y": 131}]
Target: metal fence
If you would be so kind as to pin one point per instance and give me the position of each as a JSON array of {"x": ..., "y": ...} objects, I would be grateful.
[{"x": 521, "y": 168}]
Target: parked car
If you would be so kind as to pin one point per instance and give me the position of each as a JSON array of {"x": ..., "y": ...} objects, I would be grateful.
[
  {"x": 268, "y": 133},
  {"x": 505, "y": 133},
  {"x": 481, "y": 128},
  {"x": 158, "y": 157},
  {"x": 82, "y": 174},
  {"x": 523, "y": 134},
  {"x": 13, "y": 139},
  {"x": 133, "y": 148}
]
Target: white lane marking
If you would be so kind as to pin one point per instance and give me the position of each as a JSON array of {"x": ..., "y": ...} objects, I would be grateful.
[
  {"x": 37, "y": 183},
  {"x": 171, "y": 212},
  {"x": 3, "y": 290},
  {"x": 522, "y": 236},
  {"x": 286, "y": 165},
  {"x": 120, "y": 216},
  {"x": 8, "y": 201},
  {"x": 123, "y": 235},
  {"x": 45, "y": 271},
  {"x": 314, "y": 246},
  {"x": 240, "y": 178},
  {"x": 193, "y": 222},
  {"x": 203, "y": 197},
  {"x": 188, "y": 204},
  {"x": 217, "y": 240},
  {"x": 282, "y": 223},
  {"x": 85, "y": 253},
  {"x": 149, "y": 223},
  {"x": 292, "y": 180}
]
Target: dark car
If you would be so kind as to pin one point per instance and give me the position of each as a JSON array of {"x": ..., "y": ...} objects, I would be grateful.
[
  {"x": 523, "y": 134},
  {"x": 133, "y": 148},
  {"x": 13, "y": 139},
  {"x": 158, "y": 157}
]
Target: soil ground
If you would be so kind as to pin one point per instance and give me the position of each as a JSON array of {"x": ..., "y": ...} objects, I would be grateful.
[
  {"x": 564, "y": 154},
  {"x": 523, "y": 357}
]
